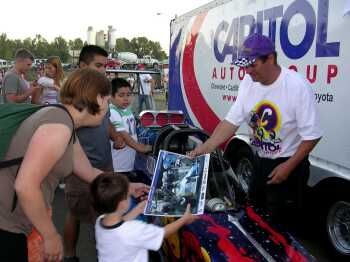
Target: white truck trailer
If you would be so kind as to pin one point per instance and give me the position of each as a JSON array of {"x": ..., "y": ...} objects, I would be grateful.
[{"x": 311, "y": 38}]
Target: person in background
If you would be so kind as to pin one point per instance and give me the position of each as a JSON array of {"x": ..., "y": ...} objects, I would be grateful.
[
  {"x": 145, "y": 89},
  {"x": 124, "y": 122},
  {"x": 279, "y": 106},
  {"x": 131, "y": 81},
  {"x": 50, "y": 83},
  {"x": 15, "y": 88},
  {"x": 119, "y": 236},
  {"x": 95, "y": 142},
  {"x": 1, "y": 76}
]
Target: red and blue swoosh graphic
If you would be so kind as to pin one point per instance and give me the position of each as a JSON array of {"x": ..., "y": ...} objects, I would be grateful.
[{"x": 206, "y": 117}]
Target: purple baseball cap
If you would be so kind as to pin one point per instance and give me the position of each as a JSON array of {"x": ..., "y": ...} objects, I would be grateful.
[{"x": 254, "y": 46}]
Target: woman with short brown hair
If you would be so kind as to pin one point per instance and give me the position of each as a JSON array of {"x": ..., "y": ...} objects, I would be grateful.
[
  {"x": 45, "y": 141},
  {"x": 82, "y": 88}
]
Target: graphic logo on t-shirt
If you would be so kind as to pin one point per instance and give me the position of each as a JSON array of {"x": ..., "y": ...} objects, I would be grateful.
[{"x": 265, "y": 120}]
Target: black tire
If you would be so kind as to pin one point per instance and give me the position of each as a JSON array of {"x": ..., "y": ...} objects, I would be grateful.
[
  {"x": 336, "y": 226},
  {"x": 243, "y": 163}
]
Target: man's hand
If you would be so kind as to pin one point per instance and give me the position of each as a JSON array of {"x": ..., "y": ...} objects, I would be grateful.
[
  {"x": 199, "y": 150},
  {"x": 139, "y": 190},
  {"x": 34, "y": 86},
  {"x": 188, "y": 217},
  {"x": 53, "y": 248},
  {"x": 280, "y": 173}
]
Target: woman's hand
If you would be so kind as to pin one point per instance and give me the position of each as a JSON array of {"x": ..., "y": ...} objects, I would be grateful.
[{"x": 53, "y": 248}]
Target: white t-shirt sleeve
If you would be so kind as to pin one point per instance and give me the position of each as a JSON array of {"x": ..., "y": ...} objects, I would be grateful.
[
  {"x": 46, "y": 82},
  {"x": 143, "y": 235},
  {"x": 145, "y": 77},
  {"x": 236, "y": 114},
  {"x": 116, "y": 120},
  {"x": 308, "y": 122}
]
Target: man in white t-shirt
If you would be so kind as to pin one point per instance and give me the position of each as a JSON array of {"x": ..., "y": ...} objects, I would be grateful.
[
  {"x": 278, "y": 104},
  {"x": 145, "y": 89}
]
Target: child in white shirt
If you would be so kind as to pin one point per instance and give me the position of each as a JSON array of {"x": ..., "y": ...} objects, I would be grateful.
[
  {"x": 118, "y": 236},
  {"x": 124, "y": 122}
]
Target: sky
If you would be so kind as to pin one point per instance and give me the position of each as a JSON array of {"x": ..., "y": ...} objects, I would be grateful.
[{"x": 71, "y": 18}]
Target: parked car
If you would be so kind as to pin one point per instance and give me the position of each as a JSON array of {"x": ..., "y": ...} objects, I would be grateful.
[{"x": 149, "y": 61}]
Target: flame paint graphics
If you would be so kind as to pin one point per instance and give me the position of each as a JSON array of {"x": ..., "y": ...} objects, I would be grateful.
[
  {"x": 276, "y": 237},
  {"x": 191, "y": 249},
  {"x": 205, "y": 116},
  {"x": 224, "y": 243}
]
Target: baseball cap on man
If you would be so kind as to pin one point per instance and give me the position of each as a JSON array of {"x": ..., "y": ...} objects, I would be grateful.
[{"x": 254, "y": 46}]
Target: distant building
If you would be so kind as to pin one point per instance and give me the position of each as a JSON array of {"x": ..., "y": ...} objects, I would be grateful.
[
  {"x": 74, "y": 54},
  {"x": 100, "y": 38},
  {"x": 111, "y": 37},
  {"x": 91, "y": 36}
]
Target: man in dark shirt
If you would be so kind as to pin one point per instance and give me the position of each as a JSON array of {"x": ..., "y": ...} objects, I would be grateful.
[{"x": 96, "y": 143}]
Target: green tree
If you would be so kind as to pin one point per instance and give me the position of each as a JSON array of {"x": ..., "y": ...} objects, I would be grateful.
[
  {"x": 5, "y": 47},
  {"x": 157, "y": 51},
  {"x": 59, "y": 47},
  {"x": 141, "y": 46},
  {"x": 123, "y": 45},
  {"x": 40, "y": 47},
  {"x": 76, "y": 44},
  {"x": 28, "y": 44}
]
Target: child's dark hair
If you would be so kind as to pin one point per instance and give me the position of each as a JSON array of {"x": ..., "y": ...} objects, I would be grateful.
[
  {"x": 107, "y": 190},
  {"x": 119, "y": 83}
]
